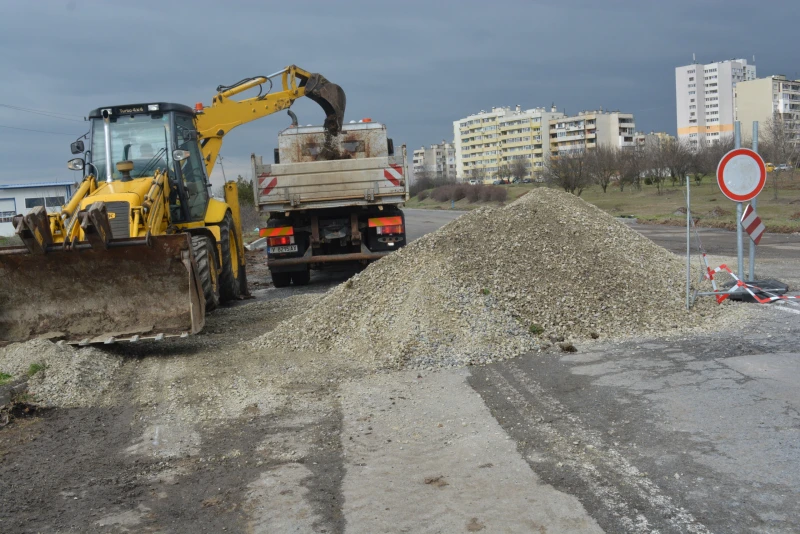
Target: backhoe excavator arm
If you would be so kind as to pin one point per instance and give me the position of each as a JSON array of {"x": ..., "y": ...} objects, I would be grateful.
[{"x": 225, "y": 114}]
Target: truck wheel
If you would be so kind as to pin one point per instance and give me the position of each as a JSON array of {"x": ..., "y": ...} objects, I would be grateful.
[
  {"x": 203, "y": 251},
  {"x": 228, "y": 283},
  {"x": 301, "y": 278},
  {"x": 281, "y": 279}
]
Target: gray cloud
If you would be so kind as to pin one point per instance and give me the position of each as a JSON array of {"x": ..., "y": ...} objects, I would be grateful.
[{"x": 416, "y": 66}]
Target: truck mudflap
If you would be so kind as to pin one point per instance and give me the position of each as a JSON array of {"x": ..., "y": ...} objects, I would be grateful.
[{"x": 134, "y": 289}]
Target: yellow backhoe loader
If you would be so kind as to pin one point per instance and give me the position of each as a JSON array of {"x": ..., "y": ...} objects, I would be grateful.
[{"x": 141, "y": 250}]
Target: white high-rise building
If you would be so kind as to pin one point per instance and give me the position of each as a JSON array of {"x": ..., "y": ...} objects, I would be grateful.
[
  {"x": 773, "y": 98},
  {"x": 438, "y": 161},
  {"x": 491, "y": 139},
  {"x": 704, "y": 97}
]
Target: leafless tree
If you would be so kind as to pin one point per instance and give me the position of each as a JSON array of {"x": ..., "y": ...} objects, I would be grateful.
[
  {"x": 603, "y": 165},
  {"x": 423, "y": 179},
  {"x": 519, "y": 170},
  {"x": 706, "y": 157},
  {"x": 568, "y": 171},
  {"x": 677, "y": 157},
  {"x": 631, "y": 166},
  {"x": 779, "y": 145},
  {"x": 659, "y": 158},
  {"x": 478, "y": 173},
  {"x": 503, "y": 172}
]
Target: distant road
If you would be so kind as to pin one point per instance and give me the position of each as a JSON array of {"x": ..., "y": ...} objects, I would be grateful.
[{"x": 421, "y": 222}]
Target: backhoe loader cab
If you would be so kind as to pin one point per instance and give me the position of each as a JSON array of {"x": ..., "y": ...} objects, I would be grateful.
[{"x": 145, "y": 138}]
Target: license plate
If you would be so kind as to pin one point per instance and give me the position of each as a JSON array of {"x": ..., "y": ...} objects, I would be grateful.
[{"x": 282, "y": 250}]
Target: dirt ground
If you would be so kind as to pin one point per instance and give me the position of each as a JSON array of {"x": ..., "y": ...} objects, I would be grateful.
[{"x": 208, "y": 434}]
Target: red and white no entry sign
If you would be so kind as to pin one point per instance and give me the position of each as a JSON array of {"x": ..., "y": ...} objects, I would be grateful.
[{"x": 741, "y": 174}]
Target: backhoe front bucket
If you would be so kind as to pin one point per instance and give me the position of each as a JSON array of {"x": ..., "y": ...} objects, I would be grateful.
[{"x": 134, "y": 289}]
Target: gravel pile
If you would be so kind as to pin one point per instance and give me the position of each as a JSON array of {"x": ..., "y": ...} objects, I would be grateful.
[
  {"x": 482, "y": 287},
  {"x": 65, "y": 376}
]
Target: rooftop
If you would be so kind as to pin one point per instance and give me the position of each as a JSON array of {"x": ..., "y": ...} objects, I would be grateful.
[{"x": 36, "y": 184}]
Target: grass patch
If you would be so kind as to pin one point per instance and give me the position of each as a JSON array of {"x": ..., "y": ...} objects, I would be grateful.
[
  {"x": 35, "y": 368},
  {"x": 4, "y": 378},
  {"x": 10, "y": 241},
  {"x": 485, "y": 291},
  {"x": 536, "y": 329}
]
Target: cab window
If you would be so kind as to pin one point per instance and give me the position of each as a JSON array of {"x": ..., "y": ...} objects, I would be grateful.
[{"x": 192, "y": 169}]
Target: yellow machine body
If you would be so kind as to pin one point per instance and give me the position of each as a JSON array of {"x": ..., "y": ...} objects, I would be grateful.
[{"x": 142, "y": 250}]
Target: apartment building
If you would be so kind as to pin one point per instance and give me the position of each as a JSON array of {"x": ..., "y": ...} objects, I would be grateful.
[
  {"x": 764, "y": 98},
  {"x": 642, "y": 139},
  {"x": 438, "y": 161},
  {"x": 491, "y": 139},
  {"x": 705, "y": 98},
  {"x": 589, "y": 129}
]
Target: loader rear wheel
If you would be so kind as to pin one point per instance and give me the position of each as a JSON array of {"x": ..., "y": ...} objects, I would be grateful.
[
  {"x": 203, "y": 250},
  {"x": 229, "y": 288}
]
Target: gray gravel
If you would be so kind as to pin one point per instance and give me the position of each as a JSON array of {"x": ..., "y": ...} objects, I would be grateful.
[
  {"x": 69, "y": 377},
  {"x": 471, "y": 292}
]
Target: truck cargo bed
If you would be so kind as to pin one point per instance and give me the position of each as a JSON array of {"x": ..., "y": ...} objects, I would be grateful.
[{"x": 356, "y": 168}]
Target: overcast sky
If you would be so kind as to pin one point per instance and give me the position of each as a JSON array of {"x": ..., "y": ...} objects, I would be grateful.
[{"x": 415, "y": 66}]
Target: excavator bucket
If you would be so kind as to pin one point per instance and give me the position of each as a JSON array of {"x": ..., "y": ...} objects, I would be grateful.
[
  {"x": 331, "y": 98},
  {"x": 125, "y": 289}
]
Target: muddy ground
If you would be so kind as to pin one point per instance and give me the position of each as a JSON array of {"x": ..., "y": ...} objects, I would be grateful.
[{"x": 207, "y": 434}]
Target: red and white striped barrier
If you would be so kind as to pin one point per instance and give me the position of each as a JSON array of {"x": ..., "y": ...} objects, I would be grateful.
[
  {"x": 722, "y": 296},
  {"x": 752, "y": 224},
  {"x": 394, "y": 174}
]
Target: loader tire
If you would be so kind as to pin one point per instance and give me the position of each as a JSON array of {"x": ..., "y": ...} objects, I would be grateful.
[
  {"x": 203, "y": 250},
  {"x": 229, "y": 288}
]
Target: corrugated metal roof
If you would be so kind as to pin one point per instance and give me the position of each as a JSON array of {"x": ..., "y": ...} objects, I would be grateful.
[{"x": 37, "y": 184}]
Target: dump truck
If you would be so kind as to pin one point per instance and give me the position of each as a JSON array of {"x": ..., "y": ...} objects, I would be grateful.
[
  {"x": 141, "y": 250},
  {"x": 330, "y": 198}
]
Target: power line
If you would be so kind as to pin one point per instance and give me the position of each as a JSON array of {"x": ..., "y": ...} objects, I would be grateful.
[
  {"x": 51, "y": 114},
  {"x": 37, "y": 131}
]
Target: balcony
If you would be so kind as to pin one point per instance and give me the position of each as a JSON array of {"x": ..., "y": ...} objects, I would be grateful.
[{"x": 575, "y": 137}]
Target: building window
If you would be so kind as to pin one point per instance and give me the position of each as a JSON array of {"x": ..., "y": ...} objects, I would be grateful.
[{"x": 33, "y": 202}]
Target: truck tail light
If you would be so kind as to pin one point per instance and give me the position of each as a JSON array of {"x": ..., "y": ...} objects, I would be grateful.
[
  {"x": 387, "y": 225},
  {"x": 280, "y": 240},
  {"x": 393, "y": 229}
]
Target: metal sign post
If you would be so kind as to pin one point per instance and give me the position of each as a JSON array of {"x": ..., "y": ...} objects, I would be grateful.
[
  {"x": 752, "y": 259},
  {"x": 737, "y": 134},
  {"x": 741, "y": 175}
]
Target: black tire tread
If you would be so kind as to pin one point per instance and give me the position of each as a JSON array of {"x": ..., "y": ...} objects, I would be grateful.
[
  {"x": 229, "y": 288},
  {"x": 203, "y": 251}
]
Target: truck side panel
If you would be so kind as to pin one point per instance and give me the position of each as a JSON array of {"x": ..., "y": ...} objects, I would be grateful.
[{"x": 325, "y": 184}]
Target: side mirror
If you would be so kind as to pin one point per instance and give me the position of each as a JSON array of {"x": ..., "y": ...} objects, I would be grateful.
[
  {"x": 76, "y": 147},
  {"x": 76, "y": 164},
  {"x": 180, "y": 155}
]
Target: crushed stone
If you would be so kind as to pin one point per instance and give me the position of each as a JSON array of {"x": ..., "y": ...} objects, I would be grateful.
[
  {"x": 481, "y": 288},
  {"x": 71, "y": 377}
]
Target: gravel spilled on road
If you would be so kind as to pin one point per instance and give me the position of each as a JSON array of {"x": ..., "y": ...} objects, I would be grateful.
[{"x": 481, "y": 288}]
